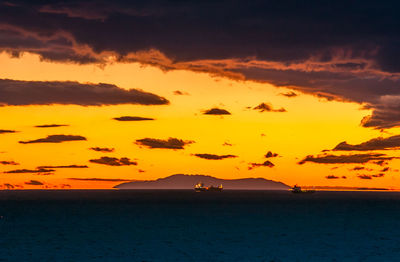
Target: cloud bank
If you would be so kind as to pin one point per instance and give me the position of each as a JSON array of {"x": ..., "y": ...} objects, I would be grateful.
[
  {"x": 345, "y": 54},
  {"x": 18, "y": 93}
]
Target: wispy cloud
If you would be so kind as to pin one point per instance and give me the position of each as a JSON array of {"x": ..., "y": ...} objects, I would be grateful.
[
  {"x": 42, "y": 171},
  {"x": 113, "y": 161},
  {"x": 345, "y": 159},
  {"x": 214, "y": 157},
  {"x": 264, "y": 164},
  {"x": 170, "y": 143},
  {"x": 66, "y": 166},
  {"x": 5, "y": 131},
  {"x": 102, "y": 149},
  {"x": 9, "y": 163},
  {"x": 132, "y": 118},
  {"x": 55, "y": 139},
  {"x": 265, "y": 107},
  {"x": 379, "y": 143},
  {"x": 50, "y": 125},
  {"x": 102, "y": 179}
]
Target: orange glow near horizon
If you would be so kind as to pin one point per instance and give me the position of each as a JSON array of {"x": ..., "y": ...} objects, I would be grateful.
[{"x": 309, "y": 126}]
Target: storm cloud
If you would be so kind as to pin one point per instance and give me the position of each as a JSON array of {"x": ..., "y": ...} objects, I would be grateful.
[
  {"x": 55, "y": 139},
  {"x": 346, "y": 51},
  {"x": 18, "y": 93},
  {"x": 170, "y": 143},
  {"x": 113, "y": 161},
  {"x": 214, "y": 157}
]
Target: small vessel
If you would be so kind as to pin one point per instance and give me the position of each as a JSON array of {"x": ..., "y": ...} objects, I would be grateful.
[
  {"x": 297, "y": 189},
  {"x": 199, "y": 187}
]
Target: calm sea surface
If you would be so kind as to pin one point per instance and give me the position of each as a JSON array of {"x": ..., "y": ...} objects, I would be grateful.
[{"x": 125, "y": 225}]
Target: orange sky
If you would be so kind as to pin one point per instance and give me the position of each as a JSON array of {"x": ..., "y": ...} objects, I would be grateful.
[{"x": 309, "y": 126}]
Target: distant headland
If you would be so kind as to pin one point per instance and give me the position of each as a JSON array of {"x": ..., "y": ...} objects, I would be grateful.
[{"x": 181, "y": 181}]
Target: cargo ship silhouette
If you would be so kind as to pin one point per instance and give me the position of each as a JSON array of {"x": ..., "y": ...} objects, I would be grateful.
[
  {"x": 297, "y": 190},
  {"x": 199, "y": 187}
]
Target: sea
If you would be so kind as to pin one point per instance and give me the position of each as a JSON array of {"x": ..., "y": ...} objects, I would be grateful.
[{"x": 182, "y": 225}]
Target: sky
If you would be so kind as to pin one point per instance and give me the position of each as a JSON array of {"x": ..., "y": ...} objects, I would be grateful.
[{"x": 97, "y": 93}]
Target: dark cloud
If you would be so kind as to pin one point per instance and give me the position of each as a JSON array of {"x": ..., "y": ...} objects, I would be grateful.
[
  {"x": 265, "y": 107},
  {"x": 42, "y": 171},
  {"x": 102, "y": 179},
  {"x": 379, "y": 143},
  {"x": 102, "y": 149},
  {"x": 132, "y": 118},
  {"x": 344, "y": 177},
  {"x": 332, "y": 177},
  {"x": 379, "y": 175},
  {"x": 264, "y": 164},
  {"x": 385, "y": 169},
  {"x": 4, "y": 131},
  {"x": 55, "y": 139},
  {"x": 269, "y": 154},
  {"x": 380, "y": 162},
  {"x": 170, "y": 143},
  {"x": 364, "y": 177},
  {"x": 227, "y": 144},
  {"x": 68, "y": 166},
  {"x": 34, "y": 183},
  {"x": 216, "y": 111},
  {"x": 345, "y": 159},
  {"x": 357, "y": 168},
  {"x": 348, "y": 54},
  {"x": 8, "y": 186},
  {"x": 9, "y": 163},
  {"x": 214, "y": 157},
  {"x": 180, "y": 93},
  {"x": 289, "y": 94},
  {"x": 17, "y": 93},
  {"x": 113, "y": 161},
  {"x": 51, "y": 125}
]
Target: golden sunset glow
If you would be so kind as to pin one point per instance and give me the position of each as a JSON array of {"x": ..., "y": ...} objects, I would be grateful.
[{"x": 310, "y": 125}]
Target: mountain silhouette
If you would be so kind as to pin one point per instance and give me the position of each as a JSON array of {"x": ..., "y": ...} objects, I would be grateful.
[{"x": 181, "y": 181}]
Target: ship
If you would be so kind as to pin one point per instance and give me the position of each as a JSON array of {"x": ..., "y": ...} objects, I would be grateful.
[
  {"x": 199, "y": 187},
  {"x": 297, "y": 190}
]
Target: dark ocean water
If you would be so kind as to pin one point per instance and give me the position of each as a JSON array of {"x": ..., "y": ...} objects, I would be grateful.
[{"x": 111, "y": 225}]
